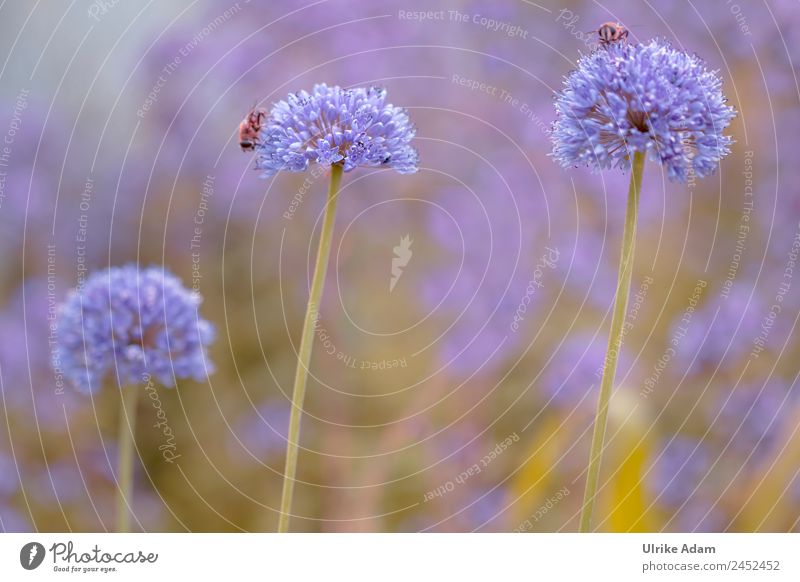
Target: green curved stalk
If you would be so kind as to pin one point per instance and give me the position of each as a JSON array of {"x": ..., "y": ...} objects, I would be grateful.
[
  {"x": 306, "y": 343},
  {"x": 127, "y": 426},
  {"x": 614, "y": 340}
]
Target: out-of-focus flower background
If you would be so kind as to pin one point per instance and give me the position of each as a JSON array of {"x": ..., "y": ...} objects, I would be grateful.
[{"x": 460, "y": 397}]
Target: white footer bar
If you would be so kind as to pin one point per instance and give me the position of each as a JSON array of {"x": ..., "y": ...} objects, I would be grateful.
[{"x": 401, "y": 557}]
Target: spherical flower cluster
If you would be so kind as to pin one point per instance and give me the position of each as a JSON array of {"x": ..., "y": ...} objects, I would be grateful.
[
  {"x": 331, "y": 125},
  {"x": 139, "y": 323},
  {"x": 645, "y": 97}
]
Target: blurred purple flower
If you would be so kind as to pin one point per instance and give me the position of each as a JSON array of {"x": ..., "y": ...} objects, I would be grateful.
[
  {"x": 586, "y": 266},
  {"x": 12, "y": 521},
  {"x": 723, "y": 328},
  {"x": 750, "y": 417},
  {"x": 483, "y": 275},
  {"x": 60, "y": 481},
  {"x": 9, "y": 480},
  {"x": 262, "y": 432},
  {"x": 330, "y": 125},
  {"x": 486, "y": 511},
  {"x": 650, "y": 98},
  {"x": 699, "y": 514},
  {"x": 575, "y": 370},
  {"x": 139, "y": 322},
  {"x": 679, "y": 470},
  {"x": 27, "y": 381}
]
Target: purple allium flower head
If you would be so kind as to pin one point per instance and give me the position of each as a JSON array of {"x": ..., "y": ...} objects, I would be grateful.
[
  {"x": 331, "y": 125},
  {"x": 139, "y": 322},
  {"x": 645, "y": 97}
]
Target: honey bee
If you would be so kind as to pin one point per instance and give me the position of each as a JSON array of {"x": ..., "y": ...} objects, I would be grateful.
[
  {"x": 611, "y": 32},
  {"x": 249, "y": 129}
]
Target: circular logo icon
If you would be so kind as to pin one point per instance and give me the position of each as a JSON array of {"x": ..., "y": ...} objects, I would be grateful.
[{"x": 31, "y": 555}]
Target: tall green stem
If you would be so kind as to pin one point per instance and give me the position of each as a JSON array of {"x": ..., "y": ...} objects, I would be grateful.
[
  {"x": 306, "y": 343},
  {"x": 127, "y": 426},
  {"x": 614, "y": 340}
]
